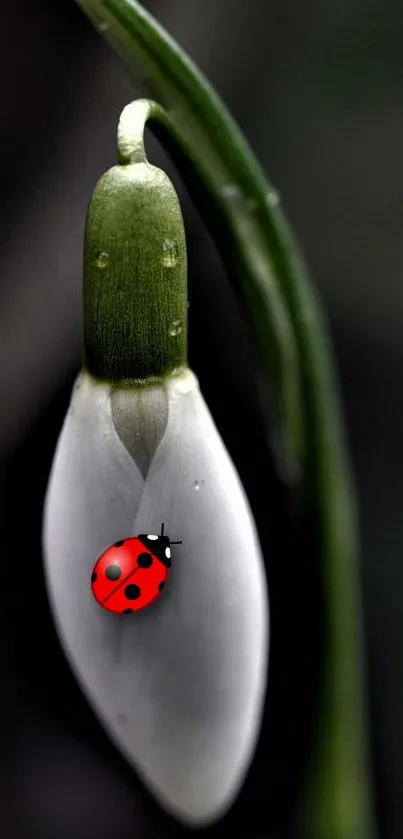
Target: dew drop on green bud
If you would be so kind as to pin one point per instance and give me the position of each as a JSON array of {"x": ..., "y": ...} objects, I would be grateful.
[
  {"x": 102, "y": 260},
  {"x": 272, "y": 198},
  {"x": 231, "y": 191},
  {"x": 175, "y": 328},
  {"x": 169, "y": 253}
]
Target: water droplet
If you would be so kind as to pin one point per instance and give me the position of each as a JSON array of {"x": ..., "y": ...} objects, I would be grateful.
[
  {"x": 197, "y": 485},
  {"x": 175, "y": 328},
  {"x": 231, "y": 191},
  {"x": 103, "y": 26},
  {"x": 102, "y": 260},
  {"x": 185, "y": 382},
  {"x": 169, "y": 253},
  {"x": 272, "y": 198}
]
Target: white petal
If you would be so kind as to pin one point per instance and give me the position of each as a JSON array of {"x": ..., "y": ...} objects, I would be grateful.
[
  {"x": 203, "y": 653},
  {"x": 92, "y": 501},
  {"x": 180, "y": 686}
]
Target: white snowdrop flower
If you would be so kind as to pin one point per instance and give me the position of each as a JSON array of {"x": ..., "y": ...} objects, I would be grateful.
[{"x": 179, "y": 686}]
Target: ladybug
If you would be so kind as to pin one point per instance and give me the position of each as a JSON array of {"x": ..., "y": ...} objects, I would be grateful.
[{"x": 131, "y": 574}]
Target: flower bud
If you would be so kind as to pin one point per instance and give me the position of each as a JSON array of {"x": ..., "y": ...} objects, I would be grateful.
[{"x": 135, "y": 283}]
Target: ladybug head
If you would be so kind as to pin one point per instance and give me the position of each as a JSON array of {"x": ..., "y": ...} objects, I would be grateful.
[{"x": 158, "y": 545}]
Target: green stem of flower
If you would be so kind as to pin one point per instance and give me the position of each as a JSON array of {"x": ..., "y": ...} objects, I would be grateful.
[
  {"x": 135, "y": 274},
  {"x": 241, "y": 211}
]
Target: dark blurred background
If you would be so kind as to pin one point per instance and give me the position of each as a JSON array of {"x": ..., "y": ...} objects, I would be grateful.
[{"x": 318, "y": 90}]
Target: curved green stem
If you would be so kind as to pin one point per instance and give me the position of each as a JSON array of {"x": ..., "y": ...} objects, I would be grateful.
[{"x": 241, "y": 210}]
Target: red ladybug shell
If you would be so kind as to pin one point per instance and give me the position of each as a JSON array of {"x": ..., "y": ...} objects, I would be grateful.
[{"x": 130, "y": 575}]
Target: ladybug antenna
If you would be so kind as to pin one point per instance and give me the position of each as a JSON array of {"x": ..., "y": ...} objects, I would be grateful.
[{"x": 162, "y": 533}]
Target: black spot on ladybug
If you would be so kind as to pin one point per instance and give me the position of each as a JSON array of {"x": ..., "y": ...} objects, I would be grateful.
[
  {"x": 127, "y": 611},
  {"x": 120, "y": 543},
  {"x": 144, "y": 560},
  {"x": 161, "y": 586},
  {"x": 93, "y": 577},
  {"x": 132, "y": 592},
  {"x": 113, "y": 572}
]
